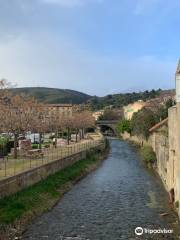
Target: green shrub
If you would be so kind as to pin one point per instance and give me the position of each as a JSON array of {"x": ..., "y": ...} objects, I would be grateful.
[
  {"x": 46, "y": 145},
  {"x": 142, "y": 121},
  {"x": 124, "y": 126},
  {"x": 10, "y": 144},
  {"x": 148, "y": 155},
  {"x": 3, "y": 140},
  {"x": 4, "y": 149},
  {"x": 35, "y": 146},
  {"x": 176, "y": 204}
]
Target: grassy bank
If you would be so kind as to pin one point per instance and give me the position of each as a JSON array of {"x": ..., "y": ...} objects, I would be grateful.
[
  {"x": 148, "y": 155},
  {"x": 19, "y": 209}
]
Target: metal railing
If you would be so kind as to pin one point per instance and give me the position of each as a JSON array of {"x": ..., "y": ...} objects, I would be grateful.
[{"x": 11, "y": 167}]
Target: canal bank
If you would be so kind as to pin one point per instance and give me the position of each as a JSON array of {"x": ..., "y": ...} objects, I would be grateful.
[
  {"x": 18, "y": 210},
  {"x": 110, "y": 203}
]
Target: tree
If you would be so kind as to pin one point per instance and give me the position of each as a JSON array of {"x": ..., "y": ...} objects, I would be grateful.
[
  {"x": 120, "y": 100},
  {"x": 68, "y": 123},
  {"x": 41, "y": 121},
  {"x": 169, "y": 103},
  {"x": 110, "y": 114},
  {"x": 18, "y": 115},
  {"x": 162, "y": 111},
  {"x": 142, "y": 121},
  {"x": 124, "y": 126},
  {"x": 76, "y": 123},
  {"x": 81, "y": 121}
]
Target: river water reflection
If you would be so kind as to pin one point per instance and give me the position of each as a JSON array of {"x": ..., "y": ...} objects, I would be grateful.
[{"x": 110, "y": 203}]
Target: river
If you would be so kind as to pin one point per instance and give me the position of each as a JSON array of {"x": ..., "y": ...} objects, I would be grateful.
[{"x": 110, "y": 203}]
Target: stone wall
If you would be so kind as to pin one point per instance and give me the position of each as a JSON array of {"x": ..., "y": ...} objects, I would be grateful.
[
  {"x": 136, "y": 139},
  {"x": 174, "y": 152},
  {"x": 159, "y": 143},
  {"x": 167, "y": 149},
  {"x": 18, "y": 182}
]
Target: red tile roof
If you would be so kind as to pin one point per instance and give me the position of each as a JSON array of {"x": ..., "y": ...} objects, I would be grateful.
[{"x": 158, "y": 125}]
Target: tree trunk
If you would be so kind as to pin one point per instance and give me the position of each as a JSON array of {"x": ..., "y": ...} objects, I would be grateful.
[
  {"x": 15, "y": 145},
  {"x": 76, "y": 135},
  {"x": 40, "y": 140},
  {"x": 56, "y": 133},
  {"x": 82, "y": 133},
  {"x": 68, "y": 135}
]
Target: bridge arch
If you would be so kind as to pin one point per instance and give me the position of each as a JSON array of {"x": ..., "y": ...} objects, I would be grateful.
[{"x": 107, "y": 128}]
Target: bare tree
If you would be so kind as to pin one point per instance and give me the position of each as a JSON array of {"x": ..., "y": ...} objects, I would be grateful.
[
  {"x": 17, "y": 116},
  {"x": 84, "y": 120},
  {"x": 40, "y": 122},
  {"x": 76, "y": 123},
  {"x": 20, "y": 114},
  {"x": 68, "y": 124}
]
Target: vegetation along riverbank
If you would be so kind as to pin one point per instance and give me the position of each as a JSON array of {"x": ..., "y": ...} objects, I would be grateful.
[{"x": 20, "y": 209}]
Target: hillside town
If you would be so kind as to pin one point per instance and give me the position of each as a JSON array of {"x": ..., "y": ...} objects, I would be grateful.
[
  {"x": 89, "y": 120},
  {"x": 36, "y": 137}
]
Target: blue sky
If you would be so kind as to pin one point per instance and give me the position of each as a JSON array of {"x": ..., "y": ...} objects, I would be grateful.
[{"x": 95, "y": 46}]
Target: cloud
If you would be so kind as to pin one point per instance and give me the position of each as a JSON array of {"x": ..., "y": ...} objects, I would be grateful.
[
  {"x": 58, "y": 62},
  {"x": 36, "y": 50}
]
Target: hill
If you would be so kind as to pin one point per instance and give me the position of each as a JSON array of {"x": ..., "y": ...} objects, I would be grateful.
[
  {"x": 122, "y": 99},
  {"x": 53, "y": 95}
]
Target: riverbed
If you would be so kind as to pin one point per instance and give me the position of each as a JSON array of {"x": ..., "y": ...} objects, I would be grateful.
[{"x": 110, "y": 203}]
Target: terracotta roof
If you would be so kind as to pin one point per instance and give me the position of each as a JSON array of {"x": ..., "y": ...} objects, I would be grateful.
[{"x": 158, "y": 125}]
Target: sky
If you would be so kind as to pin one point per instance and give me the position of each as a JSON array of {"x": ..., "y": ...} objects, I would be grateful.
[{"x": 98, "y": 47}]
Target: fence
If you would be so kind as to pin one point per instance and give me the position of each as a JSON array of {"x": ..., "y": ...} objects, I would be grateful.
[{"x": 10, "y": 166}]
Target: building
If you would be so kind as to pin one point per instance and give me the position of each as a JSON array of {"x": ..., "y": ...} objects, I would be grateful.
[
  {"x": 98, "y": 114},
  {"x": 130, "y": 109},
  {"x": 65, "y": 110},
  {"x": 165, "y": 141},
  {"x": 173, "y": 170},
  {"x": 159, "y": 141}
]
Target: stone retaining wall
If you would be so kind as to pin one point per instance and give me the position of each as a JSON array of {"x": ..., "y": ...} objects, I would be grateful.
[
  {"x": 16, "y": 183},
  {"x": 159, "y": 143}
]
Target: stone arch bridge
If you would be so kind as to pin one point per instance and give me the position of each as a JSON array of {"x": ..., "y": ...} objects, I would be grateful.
[{"x": 108, "y": 127}]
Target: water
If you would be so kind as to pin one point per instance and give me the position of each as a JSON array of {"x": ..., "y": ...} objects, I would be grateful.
[{"x": 109, "y": 203}]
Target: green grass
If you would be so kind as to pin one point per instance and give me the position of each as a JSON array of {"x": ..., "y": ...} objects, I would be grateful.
[
  {"x": 148, "y": 155},
  {"x": 40, "y": 196},
  {"x": 176, "y": 204},
  {"x": 14, "y": 166}
]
